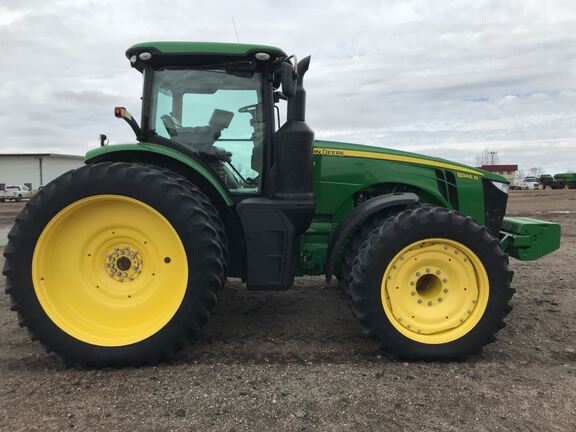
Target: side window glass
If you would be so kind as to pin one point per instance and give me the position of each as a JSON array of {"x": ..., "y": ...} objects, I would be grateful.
[{"x": 163, "y": 107}]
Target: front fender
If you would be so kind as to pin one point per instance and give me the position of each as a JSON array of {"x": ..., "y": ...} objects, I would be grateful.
[
  {"x": 359, "y": 215},
  {"x": 136, "y": 151}
]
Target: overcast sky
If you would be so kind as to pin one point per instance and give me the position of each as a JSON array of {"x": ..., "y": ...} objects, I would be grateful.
[{"x": 446, "y": 78}]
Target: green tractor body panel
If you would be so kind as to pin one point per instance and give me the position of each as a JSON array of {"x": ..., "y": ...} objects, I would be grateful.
[
  {"x": 528, "y": 239},
  {"x": 109, "y": 152},
  {"x": 344, "y": 172},
  {"x": 219, "y": 48}
]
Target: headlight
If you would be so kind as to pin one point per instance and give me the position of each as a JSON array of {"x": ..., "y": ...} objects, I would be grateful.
[{"x": 504, "y": 187}]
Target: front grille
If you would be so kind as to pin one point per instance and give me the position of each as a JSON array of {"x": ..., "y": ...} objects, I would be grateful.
[{"x": 494, "y": 207}]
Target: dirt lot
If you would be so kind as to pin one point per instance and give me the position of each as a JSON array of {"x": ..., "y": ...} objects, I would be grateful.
[{"x": 297, "y": 361}]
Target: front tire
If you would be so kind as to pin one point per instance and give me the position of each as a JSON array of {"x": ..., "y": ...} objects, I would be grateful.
[
  {"x": 115, "y": 264},
  {"x": 430, "y": 284}
]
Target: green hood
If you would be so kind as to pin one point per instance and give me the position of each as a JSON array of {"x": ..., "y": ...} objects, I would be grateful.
[{"x": 334, "y": 148}]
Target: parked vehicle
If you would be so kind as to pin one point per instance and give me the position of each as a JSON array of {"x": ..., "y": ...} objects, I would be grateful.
[
  {"x": 121, "y": 261},
  {"x": 566, "y": 180},
  {"x": 526, "y": 184},
  {"x": 15, "y": 193},
  {"x": 548, "y": 181}
]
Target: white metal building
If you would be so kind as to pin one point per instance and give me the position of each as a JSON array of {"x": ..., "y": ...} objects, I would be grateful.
[{"x": 34, "y": 170}]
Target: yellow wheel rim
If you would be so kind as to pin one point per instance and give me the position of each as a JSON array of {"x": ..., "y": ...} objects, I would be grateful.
[
  {"x": 109, "y": 270},
  {"x": 435, "y": 291}
]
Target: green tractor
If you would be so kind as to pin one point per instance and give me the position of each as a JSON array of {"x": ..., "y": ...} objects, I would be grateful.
[
  {"x": 121, "y": 261},
  {"x": 566, "y": 180}
]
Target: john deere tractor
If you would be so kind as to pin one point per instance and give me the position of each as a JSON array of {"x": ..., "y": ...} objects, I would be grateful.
[{"x": 121, "y": 261}]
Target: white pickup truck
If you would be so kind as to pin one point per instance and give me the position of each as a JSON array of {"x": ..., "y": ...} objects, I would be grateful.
[
  {"x": 16, "y": 193},
  {"x": 528, "y": 183}
]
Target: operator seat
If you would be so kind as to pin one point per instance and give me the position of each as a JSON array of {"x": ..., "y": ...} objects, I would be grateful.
[{"x": 201, "y": 138}]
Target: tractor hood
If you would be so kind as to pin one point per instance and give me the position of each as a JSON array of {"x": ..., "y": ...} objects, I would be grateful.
[{"x": 333, "y": 148}]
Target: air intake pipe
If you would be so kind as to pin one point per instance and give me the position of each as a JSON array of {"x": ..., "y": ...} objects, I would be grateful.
[{"x": 293, "y": 147}]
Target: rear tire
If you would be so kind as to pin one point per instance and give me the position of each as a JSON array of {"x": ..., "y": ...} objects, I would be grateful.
[
  {"x": 148, "y": 309},
  {"x": 430, "y": 284}
]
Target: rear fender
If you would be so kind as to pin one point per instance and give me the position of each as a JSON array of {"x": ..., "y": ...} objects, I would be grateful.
[{"x": 186, "y": 165}]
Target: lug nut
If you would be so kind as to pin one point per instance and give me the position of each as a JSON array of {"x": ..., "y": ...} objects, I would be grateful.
[
  {"x": 412, "y": 283},
  {"x": 444, "y": 280},
  {"x": 438, "y": 272},
  {"x": 439, "y": 299},
  {"x": 417, "y": 273},
  {"x": 429, "y": 303},
  {"x": 445, "y": 290},
  {"x": 413, "y": 293},
  {"x": 419, "y": 300}
]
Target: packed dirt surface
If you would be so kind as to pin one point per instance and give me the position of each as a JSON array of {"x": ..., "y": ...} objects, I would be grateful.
[{"x": 296, "y": 360}]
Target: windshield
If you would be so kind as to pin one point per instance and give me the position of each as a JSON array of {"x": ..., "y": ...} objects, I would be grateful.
[{"x": 217, "y": 114}]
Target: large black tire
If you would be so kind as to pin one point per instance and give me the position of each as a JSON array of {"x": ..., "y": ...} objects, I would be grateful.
[
  {"x": 397, "y": 233},
  {"x": 358, "y": 238},
  {"x": 186, "y": 209}
]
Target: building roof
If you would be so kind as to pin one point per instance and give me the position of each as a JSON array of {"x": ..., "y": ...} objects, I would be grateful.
[
  {"x": 499, "y": 168},
  {"x": 59, "y": 155}
]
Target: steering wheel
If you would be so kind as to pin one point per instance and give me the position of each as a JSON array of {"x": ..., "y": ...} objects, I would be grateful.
[{"x": 248, "y": 108}]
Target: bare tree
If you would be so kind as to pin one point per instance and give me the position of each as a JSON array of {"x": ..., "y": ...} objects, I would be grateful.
[
  {"x": 536, "y": 171},
  {"x": 487, "y": 157}
]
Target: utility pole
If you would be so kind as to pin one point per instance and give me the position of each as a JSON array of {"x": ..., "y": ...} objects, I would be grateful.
[{"x": 492, "y": 156}]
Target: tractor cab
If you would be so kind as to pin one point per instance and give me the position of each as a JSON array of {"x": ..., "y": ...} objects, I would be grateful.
[{"x": 216, "y": 101}]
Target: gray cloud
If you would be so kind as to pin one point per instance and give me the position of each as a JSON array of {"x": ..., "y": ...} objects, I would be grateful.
[{"x": 444, "y": 78}]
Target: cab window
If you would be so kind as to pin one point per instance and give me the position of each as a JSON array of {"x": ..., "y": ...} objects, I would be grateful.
[{"x": 217, "y": 114}]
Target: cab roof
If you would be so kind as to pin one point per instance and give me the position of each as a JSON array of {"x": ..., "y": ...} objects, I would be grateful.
[{"x": 192, "y": 52}]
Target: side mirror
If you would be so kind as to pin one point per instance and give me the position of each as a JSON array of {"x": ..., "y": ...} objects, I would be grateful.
[
  {"x": 288, "y": 79},
  {"x": 120, "y": 112}
]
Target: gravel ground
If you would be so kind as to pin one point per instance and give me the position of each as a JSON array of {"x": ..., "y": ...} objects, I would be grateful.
[{"x": 296, "y": 361}]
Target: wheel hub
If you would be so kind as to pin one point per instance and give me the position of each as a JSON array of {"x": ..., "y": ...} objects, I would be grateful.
[
  {"x": 106, "y": 282},
  {"x": 123, "y": 263},
  {"x": 434, "y": 290}
]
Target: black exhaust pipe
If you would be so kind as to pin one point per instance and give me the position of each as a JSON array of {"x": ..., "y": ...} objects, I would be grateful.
[{"x": 297, "y": 103}]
